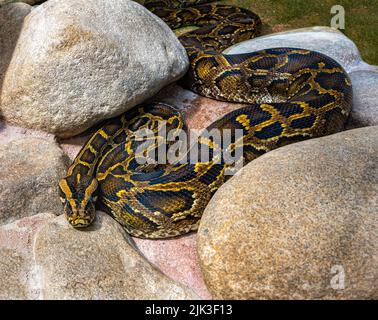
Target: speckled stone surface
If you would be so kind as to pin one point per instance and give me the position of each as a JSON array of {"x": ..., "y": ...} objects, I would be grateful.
[
  {"x": 178, "y": 259},
  {"x": 282, "y": 225},
  {"x": 98, "y": 263},
  {"x": 11, "y": 21},
  {"x": 40, "y": 260},
  {"x": 11, "y": 282},
  {"x": 365, "y": 99},
  {"x": 19, "y": 276},
  {"x": 10, "y": 133},
  {"x": 30, "y": 171},
  {"x": 97, "y": 60}
]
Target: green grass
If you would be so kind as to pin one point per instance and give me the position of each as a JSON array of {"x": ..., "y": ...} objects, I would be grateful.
[{"x": 361, "y": 18}]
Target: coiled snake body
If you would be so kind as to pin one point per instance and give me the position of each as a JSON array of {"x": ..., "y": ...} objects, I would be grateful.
[{"x": 289, "y": 94}]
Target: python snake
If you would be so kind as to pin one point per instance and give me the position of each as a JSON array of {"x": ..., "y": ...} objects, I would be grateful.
[{"x": 289, "y": 94}]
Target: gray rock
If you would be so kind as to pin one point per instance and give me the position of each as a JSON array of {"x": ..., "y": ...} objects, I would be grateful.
[
  {"x": 11, "y": 20},
  {"x": 22, "y": 276},
  {"x": 365, "y": 99},
  {"x": 19, "y": 277},
  {"x": 98, "y": 263},
  {"x": 90, "y": 60},
  {"x": 322, "y": 39},
  {"x": 297, "y": 223},
  {"x": 12, "y": 277},
  {"x": 29, "y": 176}
]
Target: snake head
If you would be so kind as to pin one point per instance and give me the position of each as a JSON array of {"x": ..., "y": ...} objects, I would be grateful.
[{"x": 78, "y": 195}]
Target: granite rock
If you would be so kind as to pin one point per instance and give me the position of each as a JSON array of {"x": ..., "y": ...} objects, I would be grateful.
[
  {"x": 100, "y": 262},
  {"x": 297, "y": 223},
  {"x": 11, "y": 21},
  {"x": 31, "y": 169},
  {"x": 12, "y": 285},
  {"x": 365, "y": 99},
  {"x": 96, "y": 60},
  {"x": 19, "y": 277}
]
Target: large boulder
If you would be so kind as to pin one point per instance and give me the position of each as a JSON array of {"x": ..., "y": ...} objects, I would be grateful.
[
  {"x": 42, "y": 257},
  {"x": 89, "y": 60},
  {"x": 365, "y": 99},
  {"x": 11, "y": 21},
  {"x": 100, "y": 262},
  {"x": 19, "y": 276},
  {"x": 30, "y": 171},
  {"x": 297, "y": 223}
]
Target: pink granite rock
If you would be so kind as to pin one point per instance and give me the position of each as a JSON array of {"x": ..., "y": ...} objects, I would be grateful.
[
  {"x": 98, "y": 263},
  {"x": 178, "y": 259},
  {"x": 19, "y": 275},
  {"x": 199, "y": 112},
  {"x": 9, "y": 133},
  {"x": 30, "y": 172}
]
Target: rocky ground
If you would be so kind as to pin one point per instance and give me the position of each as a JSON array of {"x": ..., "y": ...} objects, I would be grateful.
[{"x": 278, "y": 229}]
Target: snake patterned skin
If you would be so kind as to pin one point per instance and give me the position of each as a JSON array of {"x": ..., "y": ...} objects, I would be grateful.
[{"x": 289, "y": 94}]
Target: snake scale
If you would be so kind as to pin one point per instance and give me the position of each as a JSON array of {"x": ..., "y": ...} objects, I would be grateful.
[{"x": 289, "y": 94}]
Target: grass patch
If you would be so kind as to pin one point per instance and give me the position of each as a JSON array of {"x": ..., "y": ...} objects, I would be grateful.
[{"x": 361, "y": 18}]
